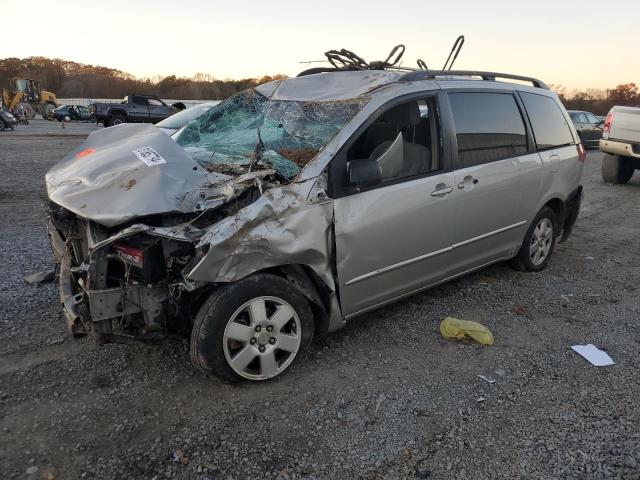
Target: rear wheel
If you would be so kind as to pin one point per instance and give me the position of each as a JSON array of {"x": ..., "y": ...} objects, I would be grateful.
[
  {"x": 617, "y": 168},
  {"x": 539, "y": 241},
  {"x": 3, "y": 126},
  {"x": 116, "y": 120},
  {"x": 254, "y": 329}
]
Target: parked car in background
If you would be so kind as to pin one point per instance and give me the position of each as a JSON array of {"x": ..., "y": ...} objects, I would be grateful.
[
  {"x": 295, "y": 206},
  {"x": 178, "y": 120},
  {"x": 134, "y": 108},
  {"x": 7, "y": 120},
  {"x": 621, "y": 144},
  {"x": 67, "y": 113},
  {"x": 589, "y": 127}
]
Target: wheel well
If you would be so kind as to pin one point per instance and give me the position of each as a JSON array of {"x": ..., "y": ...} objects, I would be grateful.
[
  {"x": 312, "y": 287},
  {"x": 557, "y": 206}
]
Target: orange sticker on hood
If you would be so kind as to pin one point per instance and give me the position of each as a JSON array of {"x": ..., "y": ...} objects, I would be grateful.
[{"x": 85, "y": 152}]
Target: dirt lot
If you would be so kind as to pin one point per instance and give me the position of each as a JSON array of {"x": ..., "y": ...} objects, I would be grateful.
[{"x": 385, "y": 397}]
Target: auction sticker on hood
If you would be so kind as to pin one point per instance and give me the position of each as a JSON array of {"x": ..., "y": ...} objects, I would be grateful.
[{"x": 149, "y": 156}]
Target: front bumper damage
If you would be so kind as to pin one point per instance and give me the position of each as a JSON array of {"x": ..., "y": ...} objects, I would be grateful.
[{"x": 139, "y": 249}]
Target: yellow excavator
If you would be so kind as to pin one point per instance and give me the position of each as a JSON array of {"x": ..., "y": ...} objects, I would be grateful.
[{"x": 27, "y": 95}]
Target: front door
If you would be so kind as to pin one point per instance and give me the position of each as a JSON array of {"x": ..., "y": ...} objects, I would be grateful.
[
  {"x": 157, "y": 110},
  {"x": 139, "y": 109},
  {"x": 489, "y": 177},
  {"x": 394, "y": 238}
]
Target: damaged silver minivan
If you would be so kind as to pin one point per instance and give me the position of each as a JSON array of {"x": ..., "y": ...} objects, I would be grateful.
[{"x": 292, "y": 207}]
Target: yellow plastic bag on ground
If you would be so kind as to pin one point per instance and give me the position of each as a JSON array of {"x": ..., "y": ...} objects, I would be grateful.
[{"x": 456, "y": 329}]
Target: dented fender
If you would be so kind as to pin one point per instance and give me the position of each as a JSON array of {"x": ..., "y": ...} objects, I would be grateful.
[{"x": 283, "y": 227}]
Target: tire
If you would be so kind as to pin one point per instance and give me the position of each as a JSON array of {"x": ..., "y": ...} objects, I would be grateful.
[
  {"x": 616, "y": 168},
  {"x": 3, "y": 126},
  {"x": 229, "y": 342},
  {"x": 28, "y": 110},
  {"x": 115, "y": 120},
  {"x": 538, "y": 239},
  {"x": 47, "y": 111}
]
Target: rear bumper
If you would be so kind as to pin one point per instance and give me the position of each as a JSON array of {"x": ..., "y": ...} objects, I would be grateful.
[
  {"x": 618, "y": 147},
  {"x": 571, "y": 212}
]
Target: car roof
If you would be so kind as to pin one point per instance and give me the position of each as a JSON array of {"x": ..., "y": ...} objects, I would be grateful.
[{"x": 348, "y": 84}]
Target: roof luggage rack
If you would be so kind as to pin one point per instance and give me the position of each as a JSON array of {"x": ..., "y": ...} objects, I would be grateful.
[
  {"x": 346, "y": 60},
  {"x": 447, "y": 74}
]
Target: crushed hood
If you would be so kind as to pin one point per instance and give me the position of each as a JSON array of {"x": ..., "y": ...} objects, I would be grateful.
[{"x": 133, "y": 170}]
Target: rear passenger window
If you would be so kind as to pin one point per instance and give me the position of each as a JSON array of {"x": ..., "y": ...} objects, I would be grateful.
[
  {"x": 489, "y": 127},
  {"x": 550, "y": 127},
  {"x": 140, "y": 101}
]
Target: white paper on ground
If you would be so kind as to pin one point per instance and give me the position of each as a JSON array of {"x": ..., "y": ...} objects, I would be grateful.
[{"x": 596, "y": 356}]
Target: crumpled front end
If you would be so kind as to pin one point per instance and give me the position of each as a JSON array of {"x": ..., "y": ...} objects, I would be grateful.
[
  {"x": 141, "y": 246},
  {"x": 125, "y": 214},
  {"x": 123, "y": 285}
]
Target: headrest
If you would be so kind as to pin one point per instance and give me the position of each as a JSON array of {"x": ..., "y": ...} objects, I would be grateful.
[{"x": 404, "y": 114}]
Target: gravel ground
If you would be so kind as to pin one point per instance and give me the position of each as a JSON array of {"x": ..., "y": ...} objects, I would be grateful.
[{"x": 386, "y": 397}]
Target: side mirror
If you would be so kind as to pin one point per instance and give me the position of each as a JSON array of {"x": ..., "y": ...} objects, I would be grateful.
[{"x": 364, "y": 173}]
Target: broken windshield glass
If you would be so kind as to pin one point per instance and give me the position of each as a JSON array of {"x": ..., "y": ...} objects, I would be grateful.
[{"x": 249, "y": 131}]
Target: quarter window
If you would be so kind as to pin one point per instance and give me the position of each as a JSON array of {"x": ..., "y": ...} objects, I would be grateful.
[
  {"x": 489, "y": 127},
  {"x": 550, "y": 127}
]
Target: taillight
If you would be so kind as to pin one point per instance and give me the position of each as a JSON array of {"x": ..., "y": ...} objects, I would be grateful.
[
  {"x": 607, "y": 124},
  {"x": 582, "y": 153}
]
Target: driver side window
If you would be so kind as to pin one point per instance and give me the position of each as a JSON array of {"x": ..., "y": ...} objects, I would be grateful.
[{"x": 403, "y": 140}]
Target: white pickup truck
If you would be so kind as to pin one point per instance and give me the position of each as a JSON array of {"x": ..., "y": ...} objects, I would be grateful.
[{"x": 621, "y": 144}]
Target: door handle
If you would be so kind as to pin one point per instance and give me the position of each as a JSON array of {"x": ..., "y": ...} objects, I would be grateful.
[
  {"x": 441, "y": 191},
  {"x": 554, "y": 157}
]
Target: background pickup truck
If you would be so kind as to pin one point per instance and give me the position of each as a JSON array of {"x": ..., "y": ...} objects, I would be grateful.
[
  {"x": 133, "y": 109},
  {"x": 621, "y": 144}
]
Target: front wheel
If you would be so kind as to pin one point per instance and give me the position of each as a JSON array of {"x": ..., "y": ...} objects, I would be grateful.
[
  {"x": 539, "y": 241},
  {"x": 254, "y": 329}
]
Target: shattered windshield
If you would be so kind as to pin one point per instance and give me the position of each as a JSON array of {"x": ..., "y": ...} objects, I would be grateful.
[{"x": 249, "y": 132}]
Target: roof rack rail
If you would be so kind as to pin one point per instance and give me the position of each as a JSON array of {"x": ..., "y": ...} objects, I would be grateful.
[{"x": 489, "y": 76}]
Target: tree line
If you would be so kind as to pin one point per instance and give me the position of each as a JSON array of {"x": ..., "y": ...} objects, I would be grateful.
[
  {"x": 599, "y": 101},
  {"x": 69, "y": 79}
]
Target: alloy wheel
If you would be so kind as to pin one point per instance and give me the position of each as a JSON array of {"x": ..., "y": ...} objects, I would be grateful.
[
  {"x": 262, "y": 338},
  {"x": 541, "y": 241}
]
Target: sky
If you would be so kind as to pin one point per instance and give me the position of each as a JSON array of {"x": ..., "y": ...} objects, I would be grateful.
[{"x": 577, "y": 44}]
